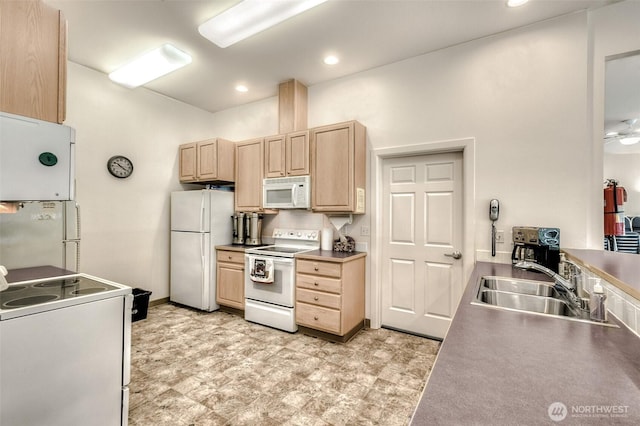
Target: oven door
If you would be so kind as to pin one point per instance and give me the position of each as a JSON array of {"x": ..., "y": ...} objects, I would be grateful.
[{"x": 281, "y": 290}]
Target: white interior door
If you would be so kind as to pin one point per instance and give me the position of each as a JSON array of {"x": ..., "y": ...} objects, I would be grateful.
[{"x": 421, "y": 231}]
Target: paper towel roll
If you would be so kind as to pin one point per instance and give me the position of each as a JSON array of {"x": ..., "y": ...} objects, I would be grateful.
[{"x": 326, "y": 239}]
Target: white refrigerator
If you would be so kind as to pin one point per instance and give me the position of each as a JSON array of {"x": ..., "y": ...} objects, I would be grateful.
[
  {"x": 200, "y": 220},
  {"x": 41, "y": 233}
]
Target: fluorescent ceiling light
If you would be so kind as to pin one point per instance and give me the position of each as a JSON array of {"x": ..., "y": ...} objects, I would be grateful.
[
  {"x": 151, "y": 65},
  {"x": 516, "y": 3},
  {"x": 630, "y": 141},
  {"x": 249, "y": 17}
]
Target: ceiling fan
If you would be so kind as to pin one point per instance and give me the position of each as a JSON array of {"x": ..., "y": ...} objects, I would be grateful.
[{"x": 626, "y": 136}]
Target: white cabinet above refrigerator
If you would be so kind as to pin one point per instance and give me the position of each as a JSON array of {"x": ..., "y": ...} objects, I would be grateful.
[{"x": 37, "y": 160}]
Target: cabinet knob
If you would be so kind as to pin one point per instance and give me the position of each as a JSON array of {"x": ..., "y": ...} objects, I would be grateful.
[
  {"x": 315, "y": 268},
  {"x": 315, "y": 318},
  {"x": 229, "y": 257},
  {"x": 315, "y": 298},
  {"x": 315, "y": 283}
]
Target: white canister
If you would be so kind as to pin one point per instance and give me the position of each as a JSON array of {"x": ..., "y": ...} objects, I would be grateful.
[{"x": 326, "y": 239}]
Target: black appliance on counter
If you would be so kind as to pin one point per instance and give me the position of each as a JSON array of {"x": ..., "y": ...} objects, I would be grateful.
[{"x": 539, "y": 245}]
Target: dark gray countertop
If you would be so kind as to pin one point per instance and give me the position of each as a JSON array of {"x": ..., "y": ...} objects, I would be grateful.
[
  {"x": 35, "y": 273},
  {"x": 499, "y": 367},
  {"x": 335, "y": 256}
]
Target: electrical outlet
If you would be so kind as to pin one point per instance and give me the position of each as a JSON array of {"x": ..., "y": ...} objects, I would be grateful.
[
  {"x": 364, "y": 231},
  {"x": 500, "y": 236}
]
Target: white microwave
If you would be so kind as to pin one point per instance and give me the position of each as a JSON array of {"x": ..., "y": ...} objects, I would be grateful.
[{"x": 287, "y": 192}]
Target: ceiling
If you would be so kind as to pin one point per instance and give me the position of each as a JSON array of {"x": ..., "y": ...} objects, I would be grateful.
[{"x": 363, "y": 33}]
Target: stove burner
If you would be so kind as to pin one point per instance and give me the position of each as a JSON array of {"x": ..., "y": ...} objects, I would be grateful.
[
  {"x": 28, "y": 301},
  {"x": 89, "y": 290}
]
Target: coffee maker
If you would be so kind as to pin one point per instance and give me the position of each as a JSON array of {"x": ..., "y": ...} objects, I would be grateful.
[
  {"x": 539, "y": 245},
  {"x": 254, "y": 229},
  {"x": 247, "y": 228},
  {"x": 239, "y": 227}
]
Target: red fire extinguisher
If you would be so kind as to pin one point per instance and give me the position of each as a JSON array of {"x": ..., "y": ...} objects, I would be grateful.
[{"x": 614, "y": 198}]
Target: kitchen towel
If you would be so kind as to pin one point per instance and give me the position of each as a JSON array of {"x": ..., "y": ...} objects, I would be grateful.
[{"x": 261, "y": 270}]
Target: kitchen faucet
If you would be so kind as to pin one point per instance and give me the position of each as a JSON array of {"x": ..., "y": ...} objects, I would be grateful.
[{"x": 561, "y": 284}]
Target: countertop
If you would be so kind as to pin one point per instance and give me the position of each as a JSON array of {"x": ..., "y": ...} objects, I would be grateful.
[
  {"x": 620, "y": 269},
  {"x": 36, "y": 273},
  {"x": 334, "y": 256},
  {"x": 503, "y": 367},
  {"x": 234, "y": 247}
]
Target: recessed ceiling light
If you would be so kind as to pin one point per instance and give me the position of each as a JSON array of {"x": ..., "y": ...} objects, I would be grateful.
[
  {"x": 630, "y": 141},
  {"x": 242, "y": 88},
  {"x": 150, "y": 65},
  {"x": 331, "y": 60},
  {"x": 611, "y": 134},
  {"x": 516, "y": 3},
  {"x": 249, "y": 17}
]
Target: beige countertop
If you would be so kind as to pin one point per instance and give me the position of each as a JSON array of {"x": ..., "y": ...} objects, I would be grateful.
[
  {"x": 620, "y": 269},
  {"x": 503, "y": 367}
]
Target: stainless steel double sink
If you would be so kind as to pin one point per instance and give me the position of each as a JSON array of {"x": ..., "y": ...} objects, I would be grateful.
[{"x": 538, "y": 297}]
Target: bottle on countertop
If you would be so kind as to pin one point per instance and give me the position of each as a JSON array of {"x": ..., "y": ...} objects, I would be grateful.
[{"x": 597, "y": 304}]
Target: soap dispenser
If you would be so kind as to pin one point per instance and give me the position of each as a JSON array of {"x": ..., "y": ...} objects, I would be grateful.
[{"x": 597, "y": 303}]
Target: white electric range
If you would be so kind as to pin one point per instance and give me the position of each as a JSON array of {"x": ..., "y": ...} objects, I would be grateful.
[
  {"x": 269, "y": 284},
  {"x": 66, "y": 347}
]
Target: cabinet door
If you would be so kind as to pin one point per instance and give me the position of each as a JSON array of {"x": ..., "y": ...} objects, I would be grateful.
[
  {"x": 230, "y": 285},
  {"x": 274, "y": 156},
  {"x": 188, "y": 154},
  {"x": 33, "y": 60},
  {"x": 249, "y": 175},
  {"x": 207, "y": 168},
  {"x": 338, "y": 168},
  {"x": 332, "y": 180},
  {"x": 297, "y": 153}
]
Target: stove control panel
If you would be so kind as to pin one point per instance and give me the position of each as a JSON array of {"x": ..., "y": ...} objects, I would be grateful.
[{"x": 297, "y": 234}]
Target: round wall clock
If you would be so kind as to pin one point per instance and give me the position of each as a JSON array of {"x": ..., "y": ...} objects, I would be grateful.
[{"x": 120, "y": 166}]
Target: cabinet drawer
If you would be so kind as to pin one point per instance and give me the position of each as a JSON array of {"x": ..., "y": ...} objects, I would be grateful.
[
  {"x": 318, "y": 298},
  {"x": 315, "y": 282},
  {"x": 329, "y": 269},
  {"x": 318, "y": 317},
  {"x": 230, "y": 256}
]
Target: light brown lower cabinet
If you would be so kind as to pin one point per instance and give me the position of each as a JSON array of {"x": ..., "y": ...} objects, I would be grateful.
[
  {"x": 330, "y": 294},
  {"x": 230, "y": 278}
]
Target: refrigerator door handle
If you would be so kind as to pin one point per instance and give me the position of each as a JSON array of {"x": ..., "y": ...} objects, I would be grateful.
[
  {"x": 126, "y": 340},
  {"x": 202, "y": 212}
]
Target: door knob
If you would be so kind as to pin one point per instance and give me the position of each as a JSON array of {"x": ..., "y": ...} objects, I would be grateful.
[{"x": 456, "y": 254}]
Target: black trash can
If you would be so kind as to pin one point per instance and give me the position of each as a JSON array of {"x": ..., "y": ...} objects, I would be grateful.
[{"x": 140, "y": 304}]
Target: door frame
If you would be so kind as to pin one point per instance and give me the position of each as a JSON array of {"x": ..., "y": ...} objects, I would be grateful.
[{"x": 467, "y": 147}]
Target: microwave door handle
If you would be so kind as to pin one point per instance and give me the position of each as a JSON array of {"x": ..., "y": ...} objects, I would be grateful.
[{"x": 294, "y": 195}]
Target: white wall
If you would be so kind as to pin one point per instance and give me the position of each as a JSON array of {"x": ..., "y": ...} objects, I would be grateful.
[
  {"x": 125, "y": 222},
  {"x": 615, "y": 31}
]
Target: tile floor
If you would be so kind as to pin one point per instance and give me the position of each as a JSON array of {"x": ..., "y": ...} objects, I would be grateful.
[{"x": 196, "y": 368}]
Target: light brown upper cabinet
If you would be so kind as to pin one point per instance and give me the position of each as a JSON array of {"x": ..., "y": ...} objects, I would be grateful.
[
  {"x": 287, "y": 155},
  {"x": 338, "y": 168},
  {"x": 207, "y": 161},
  {"x": 33, "y": 60},
  {"x": 249, "y": 175}
]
